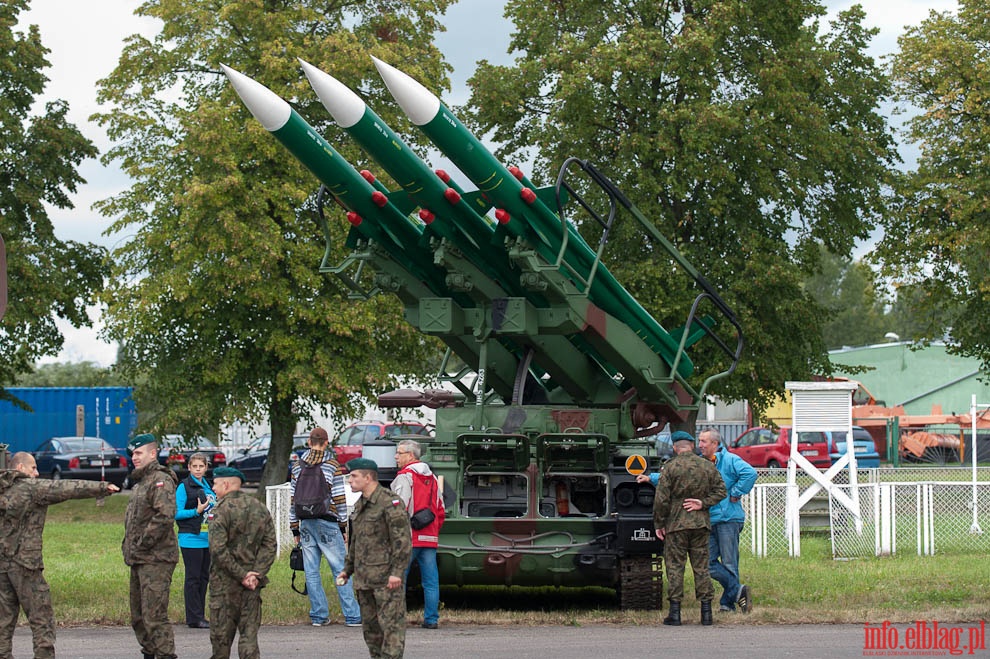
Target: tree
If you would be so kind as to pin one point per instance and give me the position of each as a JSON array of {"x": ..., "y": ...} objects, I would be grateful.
[
  {"x": 79, "y": 374},
  {"x": 217, "y": 297},
  {"x": 48, "y": 278},
  {"x": 848, "y": 291},
  {"x": 747, "y": 134},
  {"x": 935, "y": 239}
]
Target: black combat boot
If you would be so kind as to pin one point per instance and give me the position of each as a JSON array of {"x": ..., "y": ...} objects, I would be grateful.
[
  {"x": 674, "y": 617},
  {"x": 706, "y": 613}
]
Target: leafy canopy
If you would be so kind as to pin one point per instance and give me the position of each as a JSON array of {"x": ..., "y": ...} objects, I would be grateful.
[
  {"x": 48, "y": 278},
  {"x": 746, "y": 132},
  {"x": 936, "y": 245},
  {"x": 217, "y": 296}
]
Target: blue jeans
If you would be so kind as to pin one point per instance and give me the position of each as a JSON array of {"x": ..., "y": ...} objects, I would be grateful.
[
  {"x": 426, "y": 558},
  {"x": 319, "y": 538},
  {"x": 723, "y": 560}
]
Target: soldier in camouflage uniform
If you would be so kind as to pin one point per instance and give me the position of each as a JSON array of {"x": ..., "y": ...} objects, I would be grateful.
[
  {"x": 242, "y": 550},
  {"x": 24, "y": 502},
  {"x": 689, "y": 485},
  {"x": 150, "y": 548},
  {"x": 379, "y": 546}
]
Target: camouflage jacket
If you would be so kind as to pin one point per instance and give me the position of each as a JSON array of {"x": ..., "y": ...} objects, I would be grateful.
[
  {"x": 686, "y": 476},
  {"x": 379, "y": 541},
  {"x": 242, "y": 540},
  {"x": 150, "y": 517},
  {"x": 24, "y": 504}
]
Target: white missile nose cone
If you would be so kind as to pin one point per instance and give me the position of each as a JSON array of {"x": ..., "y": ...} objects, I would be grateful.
[
  {"x": 341, "y": 102},
  {"x": 419, "y": 103},
  {"x": 266, "y": 106}
]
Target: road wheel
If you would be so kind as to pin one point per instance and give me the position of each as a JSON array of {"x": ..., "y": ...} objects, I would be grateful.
[
  {"x": 56, "y": 475},
  {"x": 773, "y": 464}
]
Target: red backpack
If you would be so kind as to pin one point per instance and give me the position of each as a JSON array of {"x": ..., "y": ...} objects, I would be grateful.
[{"x": 427, "y": 502}]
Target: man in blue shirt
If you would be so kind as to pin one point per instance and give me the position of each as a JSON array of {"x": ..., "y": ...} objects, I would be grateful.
[{"x": 727, "y": 518}]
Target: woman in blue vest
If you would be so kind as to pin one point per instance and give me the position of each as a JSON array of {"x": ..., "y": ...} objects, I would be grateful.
[{"x": 194, "y": 498}]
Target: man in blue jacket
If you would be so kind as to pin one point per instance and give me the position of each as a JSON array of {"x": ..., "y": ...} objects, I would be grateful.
[{"x": 727, "y": 519}]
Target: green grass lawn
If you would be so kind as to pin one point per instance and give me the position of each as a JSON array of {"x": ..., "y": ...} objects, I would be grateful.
[{"x": 89, "y": 583}]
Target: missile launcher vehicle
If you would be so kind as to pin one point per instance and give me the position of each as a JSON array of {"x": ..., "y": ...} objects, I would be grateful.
[{"x": 560, "y": 379}]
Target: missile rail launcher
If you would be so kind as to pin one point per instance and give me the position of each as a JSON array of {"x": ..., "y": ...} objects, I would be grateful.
[{"x": 560, "y": 379}]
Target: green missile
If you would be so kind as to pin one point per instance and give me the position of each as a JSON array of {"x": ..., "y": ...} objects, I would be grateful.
[
  {"x": 521, "y": 209},
  {"x": 368, "y": 208},
  {"x": 442, "y": 207}
]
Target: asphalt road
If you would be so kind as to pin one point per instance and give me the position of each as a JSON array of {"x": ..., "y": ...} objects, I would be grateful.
[{"x": 491, "y": 642}]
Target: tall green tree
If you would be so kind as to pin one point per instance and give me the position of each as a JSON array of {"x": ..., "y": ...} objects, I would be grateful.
[
  {"x": 849, "y": 292},
  {"x": 936, "y": 239},
  {"x": 48, "y": 278},
  {"x": 68, "y": 374},
  {"x": 217, "y": 297},
  {"x": 744, "y": 129}
]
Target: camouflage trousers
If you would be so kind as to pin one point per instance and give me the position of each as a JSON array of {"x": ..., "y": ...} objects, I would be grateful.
[
  {"x": 383, "y": 617},
  {"x": 150, "y": 584},
  {"x": 678, "y": 546},
  {"x": 22, "y": 588},
  {"x": 234, "y": 609}
]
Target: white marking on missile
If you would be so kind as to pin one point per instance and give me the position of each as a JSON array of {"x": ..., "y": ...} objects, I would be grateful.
[
  {"x": 341, "y": 102},
  {"x": 266, "y": 106},
  {"x": 419, "y": 103}
]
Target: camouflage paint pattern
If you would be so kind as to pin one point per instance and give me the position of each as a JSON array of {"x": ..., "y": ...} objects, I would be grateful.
[
  {"x": 379, "y": 546},
  {"x": 242, "y": 540},
  {"x": 24, "y": 504},
  {"x": 151, "y": 549},
  {"x": 687, "y": 476},
  {"x": 150, "y": 584}
]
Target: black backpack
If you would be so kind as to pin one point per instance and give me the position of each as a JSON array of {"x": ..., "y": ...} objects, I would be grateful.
[{"x": 312, "y": 497}]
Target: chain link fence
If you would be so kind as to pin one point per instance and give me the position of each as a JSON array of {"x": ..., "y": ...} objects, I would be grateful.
[{"x": 910, "y": 509}]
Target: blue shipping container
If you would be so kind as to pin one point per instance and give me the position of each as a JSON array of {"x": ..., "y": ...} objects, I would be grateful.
[{"x": 108, "y": 412}]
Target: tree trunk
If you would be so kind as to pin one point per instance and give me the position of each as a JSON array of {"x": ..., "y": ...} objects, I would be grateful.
[{"x": 283, "y": 427}]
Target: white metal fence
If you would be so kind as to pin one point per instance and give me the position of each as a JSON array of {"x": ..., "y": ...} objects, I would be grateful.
[
  {"x": 923, "y": 510},
  {"x": 277, "y": 498}
]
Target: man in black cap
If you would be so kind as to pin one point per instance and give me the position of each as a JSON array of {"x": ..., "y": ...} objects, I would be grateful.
[
  {"x": 379, "y": 546},
  {"x": 688, "y": 486},
  {"x": 150, "y": 547},
  {"x": 242, "y": 550}
]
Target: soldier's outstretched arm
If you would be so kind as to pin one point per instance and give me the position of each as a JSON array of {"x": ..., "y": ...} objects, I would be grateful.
[{"x": 46, "y": 492}]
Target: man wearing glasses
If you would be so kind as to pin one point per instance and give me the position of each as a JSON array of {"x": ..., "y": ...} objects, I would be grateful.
[{"x": 419, "y": 489}]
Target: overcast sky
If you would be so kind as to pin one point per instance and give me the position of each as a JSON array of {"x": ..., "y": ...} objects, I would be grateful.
[{"x": 85, "y": 45}]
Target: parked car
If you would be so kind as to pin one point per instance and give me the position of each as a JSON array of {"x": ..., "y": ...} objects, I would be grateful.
[
  {"x": 174, "y": 452},
  {"x": 766, "y": 447},
  {"x": 863, "y": 445},
  {"x": 349, "y": 444},
  {"x": 88, "y": 458},
  {"x": 252, "y": 459}
]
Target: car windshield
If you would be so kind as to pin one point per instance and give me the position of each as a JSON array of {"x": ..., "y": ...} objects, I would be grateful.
[
  {"x": 405, "y": 429},
  {"x": 79, "y": 445},
  {"x": 176, "y": 441}
]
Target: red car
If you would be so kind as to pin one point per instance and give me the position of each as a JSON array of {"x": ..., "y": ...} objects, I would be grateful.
[
  {"x": 350, "y": 443},
  {"x": 765, "y": 447}
]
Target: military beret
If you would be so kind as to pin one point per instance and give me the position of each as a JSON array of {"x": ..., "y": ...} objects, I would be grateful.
[
  {"x": 362, "y": 463},
  {"x": 228, "y": 472},
  {"x": 681, "y": 436},
  {"x": 140, "y": 441}
]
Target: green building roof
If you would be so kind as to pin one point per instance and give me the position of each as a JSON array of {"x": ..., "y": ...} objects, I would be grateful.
[{"x": 916, "y": 377}]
